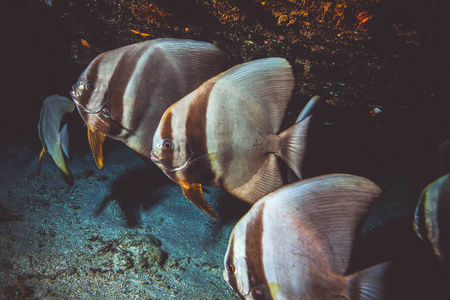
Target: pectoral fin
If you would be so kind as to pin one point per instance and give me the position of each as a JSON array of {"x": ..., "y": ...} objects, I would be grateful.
[
  {"x": 193, "y": 191},
  {"x": 96, "y": 139}
]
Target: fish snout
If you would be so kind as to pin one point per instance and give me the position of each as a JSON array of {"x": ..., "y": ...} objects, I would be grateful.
[
  {"x": 74, "y": 92},
  {"x": 154, "y": 158},
  {"x": 225, "y": 275}
]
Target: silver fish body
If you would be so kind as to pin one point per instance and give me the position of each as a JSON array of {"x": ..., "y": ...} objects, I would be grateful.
[
  {"x": 123, "y": 93},
  {"x": 53, "y": 132},
  {"x": 295, "y": 243},
  {"x": 226, "y": 134}
]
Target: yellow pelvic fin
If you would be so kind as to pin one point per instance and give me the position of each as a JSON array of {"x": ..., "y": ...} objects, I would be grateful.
[
  {"x": 274, "y": 289},
  {"x": 193, "y": 191},
  {"x": 41, "y": 157},
  {"x": 96, "y": 139}
]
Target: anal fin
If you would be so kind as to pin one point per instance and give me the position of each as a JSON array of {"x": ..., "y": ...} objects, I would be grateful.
[{"x": 268, "y": 178}]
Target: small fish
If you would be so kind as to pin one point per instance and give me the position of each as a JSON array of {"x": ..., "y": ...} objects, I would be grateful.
[
  {"x": 295, "y": 243},
  {"x": 140, "y": 33},
  {"x": 226, "y": 134},
  {"x": 432, "y": 217},
  {"x": 123, "y": 93},
  {"x": 53, "y": 132},
  {"x": 85, "y": 43}
]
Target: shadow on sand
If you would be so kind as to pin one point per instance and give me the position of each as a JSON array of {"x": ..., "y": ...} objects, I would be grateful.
[{"x": 135, "y": 190}]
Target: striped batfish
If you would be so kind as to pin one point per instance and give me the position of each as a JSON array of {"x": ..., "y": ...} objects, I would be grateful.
[
  {"x": 53, "y": 132},
  {"x": 295, "y": 243},
  {"x": 226, "y": 134},
  {"x": 432, "y": 216},
  {"x": 123, "y": 93}
]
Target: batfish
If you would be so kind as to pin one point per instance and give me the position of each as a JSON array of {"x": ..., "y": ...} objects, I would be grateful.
[
  {"x": 123, "y": 93},
  {"x": 226, "y": 134},
  {"x": 53, "y": 132},
  {"x": 295, "y": 243},
  {"x": 432, "y": 217}
]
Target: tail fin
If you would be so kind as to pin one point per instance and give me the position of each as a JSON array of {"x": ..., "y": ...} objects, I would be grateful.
[
  {"x": 293, "y": 145},
  {"x": 369, "y": 284}
]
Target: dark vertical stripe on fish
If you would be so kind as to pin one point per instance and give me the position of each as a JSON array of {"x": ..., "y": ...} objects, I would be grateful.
[
  {"x": 254, "y": 253},
  {"x": 91, "y": 75},
  {"x": 116, "y": 88},
  {"x": 143, "y": 88},
  {"x": 196, "y": 138}
]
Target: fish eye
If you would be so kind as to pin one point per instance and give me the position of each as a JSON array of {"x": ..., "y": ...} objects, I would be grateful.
[
  {"x": 90, "y": 86},
  {"x": 167, "y": 145},
  {"x": 231, "y": 268}
]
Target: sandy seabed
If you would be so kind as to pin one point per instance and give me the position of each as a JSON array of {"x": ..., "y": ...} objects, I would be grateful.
[{"x": 124, "y": 232}]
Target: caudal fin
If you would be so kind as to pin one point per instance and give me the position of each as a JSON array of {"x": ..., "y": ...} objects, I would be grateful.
[
  {"x": 293, "y": 145},
  {"x": 369, "y": 284}
]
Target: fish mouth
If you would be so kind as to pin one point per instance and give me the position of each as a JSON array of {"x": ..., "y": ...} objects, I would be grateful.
[
  {"x": 73, "y": 93},
  {"x": 154, "y": 158}
]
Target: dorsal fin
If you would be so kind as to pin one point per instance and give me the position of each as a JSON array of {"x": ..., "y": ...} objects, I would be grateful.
[
  {"x": 267, "y": 82},
  {"x": 330, "y": 207},
  {"x": 194, "y": 61}
]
